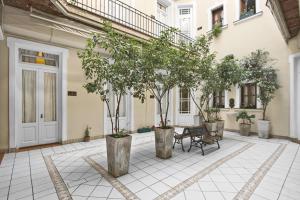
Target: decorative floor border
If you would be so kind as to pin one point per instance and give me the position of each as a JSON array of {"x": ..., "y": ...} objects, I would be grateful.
[
  {"x": 173, "y": 191},
  {"x": 112, "y": 180},
  {"x": 248, "y": 189},
  {"x": 195, "y": 178},
  {"x": 59, "y": 184}
]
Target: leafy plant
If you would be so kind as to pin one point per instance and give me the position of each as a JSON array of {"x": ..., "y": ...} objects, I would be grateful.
[
  {"x": 217, "y": 30},
  {"x": 246, "y": 119},
  {"x": 231, "y": 103},
  {"x": 259, "y": 70},
  {"x": 87, "y": 131},
  {"x": 114, "y": 75},
  {"x": 162, "y": 66}
]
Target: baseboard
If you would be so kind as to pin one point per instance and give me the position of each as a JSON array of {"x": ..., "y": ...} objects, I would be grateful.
[
  {"x": 82, "y": 139},
  {"x": 295, "y": 140}
]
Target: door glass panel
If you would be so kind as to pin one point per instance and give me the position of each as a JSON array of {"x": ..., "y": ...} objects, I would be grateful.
[
  {"x": 184, "y": 101},
  {"x": 49, "y": 97},
  {"x": 28, "y": 96}
]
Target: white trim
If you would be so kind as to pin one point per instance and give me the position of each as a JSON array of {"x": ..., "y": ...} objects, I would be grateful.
[
  {"x": 14, "y": 44},
  {"x": 237, "y": 96},
  {"x": 192, "y": 6},
  {"x": 1, "y": 33},
  {"x": 226, "y": 99},
  {"x": 214, "y": 7},
  {"x": 238, "y": 6},
  {"x": 258, "y": 102},
  {"x": 293, "y": 115}
]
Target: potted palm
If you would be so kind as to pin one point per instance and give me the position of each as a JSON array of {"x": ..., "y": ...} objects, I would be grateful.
[
  {"x": 112, "y": 77},
  {"x": 259, "y": 68},
  {"x": 245, "y": 125}
]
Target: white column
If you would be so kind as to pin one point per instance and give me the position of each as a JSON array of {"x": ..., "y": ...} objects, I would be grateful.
[
  {"x": 226, "y": 99},
  {"x": 237, "y": 97},
  {"x": 258, "y": 103}
]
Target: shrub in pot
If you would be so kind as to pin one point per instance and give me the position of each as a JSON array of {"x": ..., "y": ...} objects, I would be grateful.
[
  {"x": 87, "y": 136},
  {"x": 259, "y": 68},
  {"x": 245, "y": 125},
  {"x": 162, "y": 67},
  {"x": 231, "y": 103},
  {"x": 113, "y": 78}
]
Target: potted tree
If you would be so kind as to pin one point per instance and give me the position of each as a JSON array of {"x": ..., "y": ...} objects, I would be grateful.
[
  {"x": 112, "y": 76},
  {"x": 259, "y": 67},
  {"x": 161, "y": 71},
  {"x": 87, "y": 136},
  {"x": 245, "y": 125}
]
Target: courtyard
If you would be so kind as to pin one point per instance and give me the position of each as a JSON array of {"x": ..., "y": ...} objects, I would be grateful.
[{"x": 243, "y": 168}]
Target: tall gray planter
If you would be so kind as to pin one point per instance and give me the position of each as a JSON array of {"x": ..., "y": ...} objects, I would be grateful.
[
  {"x": 220, "y": 128},
  {"x": 263, "y": 127},
  {"x": 164, "y": 142},
  {"x": 118, "y": 155}
]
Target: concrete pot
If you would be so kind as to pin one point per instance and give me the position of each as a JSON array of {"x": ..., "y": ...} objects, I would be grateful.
[
  {"x": 245, "y": 129},
  {"x": 87, "y": 138},
  {"x": 118, "y": 155},
  {"x": 263, "y": 127},
  {"x": 212, "y": 128},
  {"x": 220, "y": 128},
  {"x": 164, "y": 142}
]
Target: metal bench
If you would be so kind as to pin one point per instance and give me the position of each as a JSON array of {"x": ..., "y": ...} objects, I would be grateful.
[{"x": 200, "y": 136}]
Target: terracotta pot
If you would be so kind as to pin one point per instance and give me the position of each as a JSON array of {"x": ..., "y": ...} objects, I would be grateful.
[
  {"x": 164, "y": 142},
  {"x": 87, "y": 138},
  {"x": 220, "y": 128},
  {"x": 118, "y": 155},
  {"x": 263, "y": 127},
  {"x": 245, "y": 129}
]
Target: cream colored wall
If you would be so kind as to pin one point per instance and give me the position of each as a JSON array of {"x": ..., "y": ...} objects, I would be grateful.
[
  {"x": 240, "y": 39},
  {"x": 4, "y": 96},
  {"x": 83, "y": 109}
]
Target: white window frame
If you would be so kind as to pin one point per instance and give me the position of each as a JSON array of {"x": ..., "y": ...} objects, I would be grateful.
[
  {"x": 192, "y": 6},
  {"x": 238, "y": 97},
  {"x": 238, "y": 8},
  {"x": 14, "y": 44},
  {"x": 214, "y": 7}
]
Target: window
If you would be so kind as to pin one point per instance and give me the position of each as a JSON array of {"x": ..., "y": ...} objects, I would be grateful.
[
  {"x": 184, "y": 101},
  {"x": 248, "y": 95},
  {"x": 247, "y": 8},
  {"x": 37, "y": 57},
  {"x": 219, "y": 99},
  {"x": 161, "y": 7},
  {"x": 217, "y": 16}
]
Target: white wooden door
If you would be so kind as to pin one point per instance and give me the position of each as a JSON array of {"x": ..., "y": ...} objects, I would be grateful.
[
  {"x": 185, "y": 20},
  {"x": 185, "y": 108},
  {"x": 37, "y": 102},
  {"x": 125, "y": 113}
]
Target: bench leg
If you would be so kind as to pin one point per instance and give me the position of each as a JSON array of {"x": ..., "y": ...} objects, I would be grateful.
[
  {"x": 182, "y": 145},
  {"x": 174, "y": 143},
  {"x": 218, "y": 144},
  {"x": 190, "y": 144},
  {"x": 201, "y": 146}
]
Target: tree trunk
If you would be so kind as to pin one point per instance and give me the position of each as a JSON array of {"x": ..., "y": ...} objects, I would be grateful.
[
  {"x": 167, "y": 110},
  {"x": 110, "y": 116}
]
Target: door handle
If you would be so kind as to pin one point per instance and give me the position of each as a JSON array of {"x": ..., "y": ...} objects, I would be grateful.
[{"x": 42, "y": 116}]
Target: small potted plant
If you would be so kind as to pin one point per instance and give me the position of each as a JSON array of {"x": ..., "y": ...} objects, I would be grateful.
[
  {"x": 245, "y": 125},
  {"x": 87, "y": 136},
  {"x": 231, "y": 103}
]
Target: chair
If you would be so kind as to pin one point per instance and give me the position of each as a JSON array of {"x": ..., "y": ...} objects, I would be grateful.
[{"x": 180, "y": 136}]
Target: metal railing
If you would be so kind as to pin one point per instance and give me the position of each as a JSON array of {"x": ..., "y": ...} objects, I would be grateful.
[{"x": 128, "y": 16}]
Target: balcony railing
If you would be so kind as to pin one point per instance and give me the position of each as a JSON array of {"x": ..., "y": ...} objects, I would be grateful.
[{"x": 128, "y": 16}]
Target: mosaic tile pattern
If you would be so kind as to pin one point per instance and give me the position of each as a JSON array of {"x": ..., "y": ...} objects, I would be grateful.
[{"x": 268, "y": 169}]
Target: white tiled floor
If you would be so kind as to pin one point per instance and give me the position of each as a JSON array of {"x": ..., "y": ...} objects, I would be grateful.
[{"x": 25, "y": 176}]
